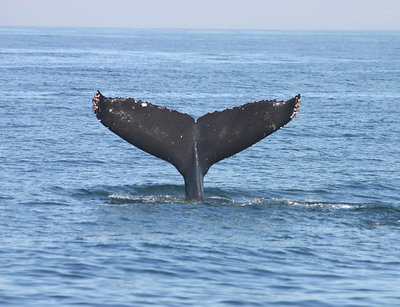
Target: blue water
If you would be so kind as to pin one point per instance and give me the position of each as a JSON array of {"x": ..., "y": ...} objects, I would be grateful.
[{"x": 310, "y": 216}]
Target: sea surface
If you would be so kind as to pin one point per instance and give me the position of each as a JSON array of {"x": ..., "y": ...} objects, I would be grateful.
[{"x": 309, "y": 216}]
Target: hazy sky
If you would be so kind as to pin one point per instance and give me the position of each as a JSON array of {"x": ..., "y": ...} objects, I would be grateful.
[{"x": 215, "y": 14}]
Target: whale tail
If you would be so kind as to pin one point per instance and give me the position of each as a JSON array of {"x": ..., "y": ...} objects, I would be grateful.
[{"x": 192, "y": 147}]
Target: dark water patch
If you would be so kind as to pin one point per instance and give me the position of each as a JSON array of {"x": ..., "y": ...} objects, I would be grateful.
[
  {"x": 40, "y": 203},
  {"x": 5, "y": 197},
  {"x": 239, "y": 303},
  {"x": 92, "y": 192}
]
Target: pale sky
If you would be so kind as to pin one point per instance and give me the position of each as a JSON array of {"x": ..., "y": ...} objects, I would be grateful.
[{"x": 205, "y": 14}]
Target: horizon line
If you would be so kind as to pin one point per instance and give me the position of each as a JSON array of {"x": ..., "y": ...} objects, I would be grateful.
[{"x": 201, "y": 29}]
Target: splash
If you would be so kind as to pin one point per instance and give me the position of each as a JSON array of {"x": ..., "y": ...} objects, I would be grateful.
[
  {"x": 149, "y": 199},
  {"x": 317, "y": 204},
  {"x": 120, "y": 198}
]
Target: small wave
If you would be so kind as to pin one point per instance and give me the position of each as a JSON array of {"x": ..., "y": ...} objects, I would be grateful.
[
  {"x": 122, "y": 197},
  {"x": 247, "y": 201},
  {"x": 150, "y": 199},
  {"x": 133, "y": 193},
  {"x": 175, "y": 194},
  {"x": 315, "y": 204}
]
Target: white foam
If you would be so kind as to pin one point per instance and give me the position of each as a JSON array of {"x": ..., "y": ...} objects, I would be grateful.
[
  {"x": 151, "y": 199},
  {"x": 311, "y": 204},
  {"x": 118, "y": 196}
]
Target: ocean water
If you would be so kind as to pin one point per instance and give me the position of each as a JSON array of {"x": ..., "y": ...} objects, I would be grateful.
[{"x": 309, "y": 216}]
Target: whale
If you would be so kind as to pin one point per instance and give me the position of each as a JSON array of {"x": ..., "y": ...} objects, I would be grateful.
[{"x": 192, "y": 146}]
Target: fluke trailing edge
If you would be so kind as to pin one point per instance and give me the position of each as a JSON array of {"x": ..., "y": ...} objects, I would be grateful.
[{"x": 192, "y": 147}]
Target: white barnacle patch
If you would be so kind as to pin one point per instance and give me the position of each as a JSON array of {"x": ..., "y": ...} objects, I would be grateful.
[{"x": 144, "y": 104}]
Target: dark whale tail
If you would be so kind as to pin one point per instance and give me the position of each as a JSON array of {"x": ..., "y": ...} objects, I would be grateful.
[{"x": 192, "y": 147}]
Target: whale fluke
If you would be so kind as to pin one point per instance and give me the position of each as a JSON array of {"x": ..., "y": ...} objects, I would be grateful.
[{"x": 192, "y": 147}]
